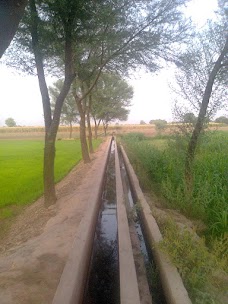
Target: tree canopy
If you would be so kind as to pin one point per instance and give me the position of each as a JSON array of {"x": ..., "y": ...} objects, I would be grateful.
[
  {"x": 154, "y": 121},
  {"x": 222, "y": 119},
  {"x": 69, "y": 113},
  {"x": 111, "y": 99},
  {"x": 10, "y": 122},
  {"x": 189, "y": 118}
]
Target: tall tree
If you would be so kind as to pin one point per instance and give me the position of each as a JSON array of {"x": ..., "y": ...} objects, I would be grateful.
[
  {"x": 10, "y": 122},
  {"x": 193, "y": 69},
  {"x": 11, "y": 12},
  {"x": 217, "y": 68},
  {"x": 111, "y": 100},
  {"x": 65, "y": 13},
  {"x": 123, "y": 37},
  {"x": 203, "y": 79}
]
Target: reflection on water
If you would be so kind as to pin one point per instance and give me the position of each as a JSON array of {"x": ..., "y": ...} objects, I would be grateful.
[{"x": 103, "y": 282}]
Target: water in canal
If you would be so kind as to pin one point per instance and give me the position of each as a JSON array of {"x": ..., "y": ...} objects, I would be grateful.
[{"x": 103, "y": 282}]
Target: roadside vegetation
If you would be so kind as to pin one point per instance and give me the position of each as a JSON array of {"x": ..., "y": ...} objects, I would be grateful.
[
  {"x": 160, "y": 165},
  {"x": 162, "y": 160},
  {"x": 21, "y": 179},
  {"x": 202, "y": 268}
]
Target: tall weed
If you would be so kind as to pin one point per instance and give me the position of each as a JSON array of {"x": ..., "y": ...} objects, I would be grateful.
[
  {"x": 165, "y": 167},
  {"x": 199, "y": 267}
]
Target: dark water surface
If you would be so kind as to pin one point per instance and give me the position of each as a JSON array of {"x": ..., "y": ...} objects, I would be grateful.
[{"x": 103, "y": 281}]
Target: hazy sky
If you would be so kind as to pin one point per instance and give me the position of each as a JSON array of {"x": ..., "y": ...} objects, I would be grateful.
[{"x": 20, "y": 96}]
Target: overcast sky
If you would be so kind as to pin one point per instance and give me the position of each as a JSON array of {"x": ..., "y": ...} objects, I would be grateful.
[{"x": 20, "y": 95}]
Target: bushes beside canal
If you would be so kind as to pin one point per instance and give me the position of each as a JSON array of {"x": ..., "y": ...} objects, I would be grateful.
[{"x": 160, "y": 163}]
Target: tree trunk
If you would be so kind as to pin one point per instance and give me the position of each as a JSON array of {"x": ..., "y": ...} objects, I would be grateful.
[
  {"x": 49, "y": 145},
  {"x": 70, "y": 129},
  {"x": 90, "y": 135},
  {"x": 11, "y": 12},
  {"x": 84, "y": 146},
  {"x": 105, "y": 126},
  {"x": 81, "y": 105},
  {"x": 48, "y": 172},
  {"x": 200, "y": 121},
  {"x": 51, "y": 124},
  {"x": 95, "y": 128},
  {"x": 97, "y": 124}
]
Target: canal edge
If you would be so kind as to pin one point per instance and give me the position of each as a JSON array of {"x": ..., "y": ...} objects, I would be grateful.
[{"x": 129, "y": 292}]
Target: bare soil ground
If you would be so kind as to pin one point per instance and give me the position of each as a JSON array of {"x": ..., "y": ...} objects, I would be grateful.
[{"x": 34, "y": 250}]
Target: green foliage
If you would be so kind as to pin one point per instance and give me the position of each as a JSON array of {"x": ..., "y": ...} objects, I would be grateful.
[
  {"x": 160, "y": 124},
  {"x": 219, "y": 247},
  {"x": 142, "y": 122},
  {"x": 10, "y": 122},
  {"x": 69, "y": 113},
  {"x": 117, "y": 34},
  {"x": 111, "y": 98},
  {"x": 196, "y": 264},
  {"x": 164, "y": 167},
  {"x": 21, "y": 168},
  {"x": 189, "y": 118},
  {"x": 222, "y": 119},
  {"x": 134, "y": 136}
]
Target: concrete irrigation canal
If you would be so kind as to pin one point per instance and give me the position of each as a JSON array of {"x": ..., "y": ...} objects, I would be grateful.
[{"x": 115, "y": 246}]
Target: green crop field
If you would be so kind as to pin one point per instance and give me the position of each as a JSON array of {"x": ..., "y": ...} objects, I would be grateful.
[{"x": 21, "y": 163}]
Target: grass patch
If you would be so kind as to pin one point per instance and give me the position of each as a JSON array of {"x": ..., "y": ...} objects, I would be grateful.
[
  {"x": 6, "y": 213},
  {"x": 21, "y": 164},
  {"x": 200, "y": 268},
  {"x": 163, "y": 165}
]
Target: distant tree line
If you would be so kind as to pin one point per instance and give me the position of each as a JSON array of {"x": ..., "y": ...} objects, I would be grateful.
[{"x": 222, "y": 120}]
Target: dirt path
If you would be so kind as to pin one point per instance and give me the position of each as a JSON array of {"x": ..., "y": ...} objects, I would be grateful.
[{"x": 33, "y": 253}]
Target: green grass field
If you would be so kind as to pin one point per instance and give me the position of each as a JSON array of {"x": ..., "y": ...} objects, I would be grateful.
[{"x": 21, "y": 163}]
